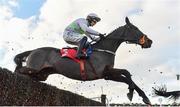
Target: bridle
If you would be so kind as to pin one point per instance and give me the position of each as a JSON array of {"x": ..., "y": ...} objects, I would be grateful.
[{"x": 140, "y": 41}]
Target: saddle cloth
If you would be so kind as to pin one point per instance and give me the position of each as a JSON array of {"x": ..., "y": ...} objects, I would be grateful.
[{"x": 71, "y": 53}]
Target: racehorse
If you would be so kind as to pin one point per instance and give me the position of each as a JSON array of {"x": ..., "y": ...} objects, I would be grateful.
[{"x": 44, "y": 61}]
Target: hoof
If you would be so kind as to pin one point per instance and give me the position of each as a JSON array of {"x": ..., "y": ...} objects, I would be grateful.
[
  {"x": 130, "y": 96},
  {"x": 146, "y": 101}
]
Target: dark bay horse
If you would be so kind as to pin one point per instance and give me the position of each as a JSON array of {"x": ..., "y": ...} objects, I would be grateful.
[{"x": 42, "y": 62}]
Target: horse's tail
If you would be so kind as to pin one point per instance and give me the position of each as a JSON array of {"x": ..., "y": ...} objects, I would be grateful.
[
  {"x": 161, "y": 91},
  {"x": 19, "y": 58},
  {"x": 175, "y": 95}
]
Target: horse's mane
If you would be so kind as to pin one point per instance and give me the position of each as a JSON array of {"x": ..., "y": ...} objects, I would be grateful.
[{"x": 115, "y": 30}]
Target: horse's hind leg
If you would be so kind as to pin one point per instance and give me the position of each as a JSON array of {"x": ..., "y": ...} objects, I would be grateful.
[
  {"x": 32, "y": 73},
  {"x": 44, "y": 73},
  {"x": 25, "y": 70}
]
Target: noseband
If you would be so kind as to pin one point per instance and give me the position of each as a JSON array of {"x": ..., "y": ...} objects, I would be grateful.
[{"x": 142, "y": 40}]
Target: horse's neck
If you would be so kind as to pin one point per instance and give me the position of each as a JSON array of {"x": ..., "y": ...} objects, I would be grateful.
[{"x": 112, "y": 41}]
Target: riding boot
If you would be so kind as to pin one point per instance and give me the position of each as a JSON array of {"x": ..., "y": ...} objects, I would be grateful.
[{"x": 82, "y": 43}]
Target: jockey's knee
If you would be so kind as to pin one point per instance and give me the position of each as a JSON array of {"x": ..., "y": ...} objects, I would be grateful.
[
  {"x": 84, "y": 38},
  {"x": 86, "y": 45}
]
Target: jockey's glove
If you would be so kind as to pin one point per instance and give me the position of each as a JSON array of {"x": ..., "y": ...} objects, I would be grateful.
[{"x": 102, "y": 36}]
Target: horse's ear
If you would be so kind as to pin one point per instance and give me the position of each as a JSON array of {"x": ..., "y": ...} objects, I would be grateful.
[{"x": 127, "y": 20}]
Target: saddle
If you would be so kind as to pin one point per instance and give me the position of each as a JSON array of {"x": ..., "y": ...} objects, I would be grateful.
[{"x": 70, "y": 52}]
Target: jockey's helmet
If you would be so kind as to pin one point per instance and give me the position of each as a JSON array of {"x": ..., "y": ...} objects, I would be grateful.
[{"x": 92, "y": 17}]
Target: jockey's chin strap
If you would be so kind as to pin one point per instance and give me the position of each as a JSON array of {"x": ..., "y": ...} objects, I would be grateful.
[{"x": 107, "y": 51}]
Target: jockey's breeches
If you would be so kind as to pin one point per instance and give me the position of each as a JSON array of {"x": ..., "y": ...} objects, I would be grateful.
[{"x": 72, "y": 37}]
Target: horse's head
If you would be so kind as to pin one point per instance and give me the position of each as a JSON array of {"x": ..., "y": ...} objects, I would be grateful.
[
  {"x": 133, "y": 35},
  {"x": 127, "y": 33}
]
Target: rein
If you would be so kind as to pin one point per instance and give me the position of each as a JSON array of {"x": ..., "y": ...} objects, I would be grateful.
[{"x": 110, "y": 38}]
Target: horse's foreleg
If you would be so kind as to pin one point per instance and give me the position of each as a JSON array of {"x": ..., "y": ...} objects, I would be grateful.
[
  {"x": 142, "y": 94},
  {"x": 121, "y": 75},
  {"x": 127, "y": 75}
]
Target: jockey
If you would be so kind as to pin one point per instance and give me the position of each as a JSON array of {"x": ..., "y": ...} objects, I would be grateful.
[{"x": 76, "y": 32}]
